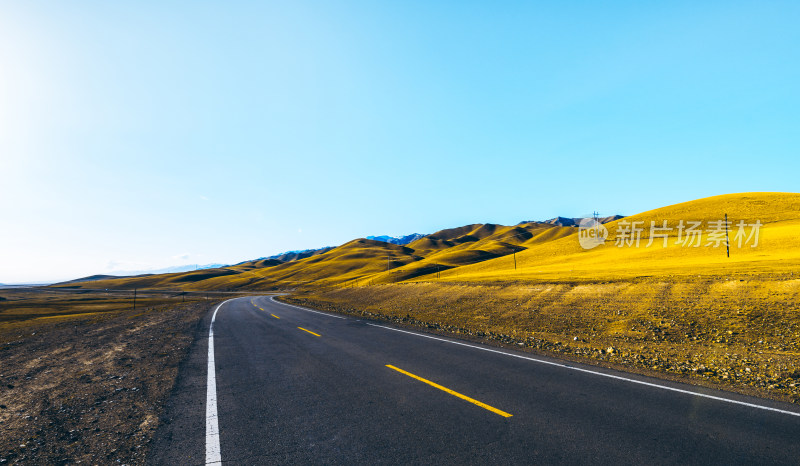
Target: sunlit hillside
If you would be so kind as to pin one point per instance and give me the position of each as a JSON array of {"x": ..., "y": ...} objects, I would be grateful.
[
  {"x": 360, "y": 261},
  {"x": 763, "y": 233},
  {"x": 777, "y": 249},
  {"x": 458, "y": 247},
  {"x": 352, "y": 260},
  {"x": 676, "y": 306}
]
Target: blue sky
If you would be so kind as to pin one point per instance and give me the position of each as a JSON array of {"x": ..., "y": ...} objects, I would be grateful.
[{"x": 137, "y": 135}]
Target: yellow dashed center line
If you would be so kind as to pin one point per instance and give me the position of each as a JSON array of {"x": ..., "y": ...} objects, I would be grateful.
[
  {"x": 273, "y": 315},
  {"x": 447, "y": 390},
  {"x": 309, "y": 331}
]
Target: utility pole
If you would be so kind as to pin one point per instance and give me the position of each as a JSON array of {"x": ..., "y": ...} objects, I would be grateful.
[
  {"x": 387, "y": 262},
  {"x": 437, "y": 271},
  {"x": 515, "y": 260},
  {"x": 596, "y": 224},
  {"x": 727, "y": 241},
  {"x": 134, "y": 299}
]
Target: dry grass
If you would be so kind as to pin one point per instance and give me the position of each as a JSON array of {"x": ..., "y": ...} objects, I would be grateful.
[
  {"x": 481, "y": 253},
  {"x": 18, "y": 307},
  {"x": 358, "y": 260},
  {"x": 565, "y": 260}
]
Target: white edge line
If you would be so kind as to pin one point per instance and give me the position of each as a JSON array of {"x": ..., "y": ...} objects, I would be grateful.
[
  {"x": 565, "y": 366},
  {"x": 213, "y": 453},
  {"x": 272, "y": 298}
]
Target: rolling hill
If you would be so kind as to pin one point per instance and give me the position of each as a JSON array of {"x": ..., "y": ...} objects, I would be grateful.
[
  {"x": 676, "y": 307},
  {"x": 297, "y": 255},
  {"x": 777, "y": 250},
  {"x": 532, "y": 251},
  {"x": 397, "y": 239}
]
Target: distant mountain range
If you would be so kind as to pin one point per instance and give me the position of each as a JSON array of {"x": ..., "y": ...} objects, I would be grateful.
[
  {"x": 296, "y": 255},
  {"x": 397, "y": 239},
  {"x": 23, "y": 285},
  {"x": 93, "y": 278},
  {"x": 573, "y": 221},
  {"x": 536, "y": 251},
  {"x": 406, "y": 239},
  {"x": 143, "y": 273},
  {"x": 290, "y": 256},
  {"x": 175, "y": 269}
]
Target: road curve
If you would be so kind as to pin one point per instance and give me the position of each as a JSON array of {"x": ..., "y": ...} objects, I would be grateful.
[{"x": 294, "y": 386}]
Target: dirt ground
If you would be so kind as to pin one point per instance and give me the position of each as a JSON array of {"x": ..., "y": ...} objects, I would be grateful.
[{"x": 84, "y": 380}]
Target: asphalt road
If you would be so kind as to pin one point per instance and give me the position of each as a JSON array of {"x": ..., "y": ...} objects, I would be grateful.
[{"x": 300, "y": 387}]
